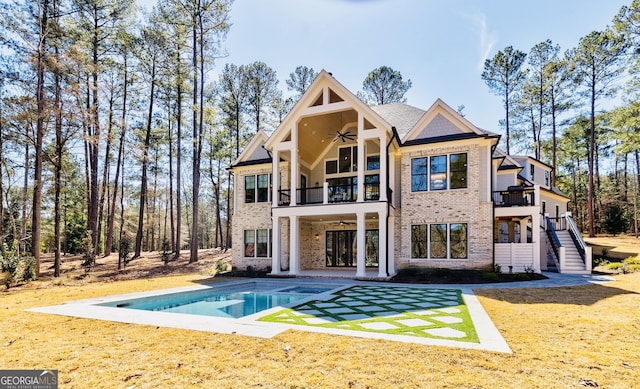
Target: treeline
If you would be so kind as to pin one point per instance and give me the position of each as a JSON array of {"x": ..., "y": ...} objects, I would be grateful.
[
  {"x": 112, "y": 136},
  {"x": 557, "y": 109}
]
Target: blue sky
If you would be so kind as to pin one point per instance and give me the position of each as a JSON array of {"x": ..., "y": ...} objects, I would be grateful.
[{"x": 440, "y": 45}]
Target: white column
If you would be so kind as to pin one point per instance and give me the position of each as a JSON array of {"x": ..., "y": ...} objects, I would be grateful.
[
  {"x": 383, "y": 168},
  {"x": 293, "y": 245},
  {"x": 361, "y": 168},
  {"x": 391, "y": 245},
  {"x": 360, "y": 245},
  {"x": 295, "y": 173},
  {"x": 325, "y": 193},
  {"x": 275, "y": 245},
  {"x": 275, "y": 177},
  {"x": 523, "y": 231},
  {"x": 382, "y": 244}
]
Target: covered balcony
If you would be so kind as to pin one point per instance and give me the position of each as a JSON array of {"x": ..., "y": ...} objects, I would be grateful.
[
  {"x": 331, "y": 194},
  {"x": 515, "y": 196}
]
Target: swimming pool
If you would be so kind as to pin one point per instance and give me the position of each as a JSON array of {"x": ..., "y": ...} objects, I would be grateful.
[{"x": 230, "y": 301}]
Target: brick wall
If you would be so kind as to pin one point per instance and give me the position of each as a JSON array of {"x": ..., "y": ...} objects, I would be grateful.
[{"x": 447, "y": 206}]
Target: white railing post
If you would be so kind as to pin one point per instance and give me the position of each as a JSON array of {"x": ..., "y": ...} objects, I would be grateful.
[{"x": 325, "y": 193}]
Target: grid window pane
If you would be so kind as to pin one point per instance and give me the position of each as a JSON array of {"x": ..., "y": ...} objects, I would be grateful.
[
  {"x": 438, "y": 177},
  {"x": 438, "y": 236},
  {"x": 262, "y": 243},
  {"x": 458, "y": 170},
  {"x": 458, "y": 241},
  {"x": 419, "y": 241},
  {"x": 418, "y": 174},
  {"x": 331, "y": 167},
  {"x": 250, "y": 189},
  {"x": 263, "y": 188},
  {"x": 344, "y": 160},
  {"x": 373, "y": 162},
  {"x": 249, "y": 243}
]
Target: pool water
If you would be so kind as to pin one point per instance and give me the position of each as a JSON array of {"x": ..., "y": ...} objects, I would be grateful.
[{"x": 232, "y": 302}]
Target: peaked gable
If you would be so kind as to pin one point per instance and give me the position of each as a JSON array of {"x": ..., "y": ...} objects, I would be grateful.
[
  {"x": 254, "y": 152},
  {"x": 325, "y": 91},
  {"x": 441, "y": 121}
]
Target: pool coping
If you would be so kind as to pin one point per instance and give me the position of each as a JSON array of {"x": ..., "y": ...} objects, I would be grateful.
[{"x": 489, "y": 336}]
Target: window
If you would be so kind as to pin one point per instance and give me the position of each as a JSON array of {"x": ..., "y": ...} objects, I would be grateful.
[
  {"x": 257, "y": 243},
  {"x": 544, "y": 207},
  {"x": 418, "y": 174},
  {"x": 348, "y": 159},
  {"x": 249, "y": 189},
  {"x": 546, "y": 177},
  {"x": 458, "y": 170},
  {"x": 263, "y": 188},
  {"x": 249, "y": 243},
  {"x": 372, "y": 187},
  {"x": 261, "y": 195},
  {"x": 458, "y": 241},
  {"x": 373, "y": 162},
  {"x": 532, "y": 171},
  {"x": 419, "y": 241},
  {"x": 439, "y": 241},
  {"x": 262, "y": 243},
  {"x": 440, "y": 173},
  {"x": 331, "y": 167},
  {"x": 438, "y": 176}
]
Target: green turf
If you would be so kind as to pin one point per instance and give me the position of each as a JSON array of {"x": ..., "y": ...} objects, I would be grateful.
[{"x": 427, "y": 313}]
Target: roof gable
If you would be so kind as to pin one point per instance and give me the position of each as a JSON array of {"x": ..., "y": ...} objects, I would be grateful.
[
  {"x": 441, "y": 121},
  {"x": 255, "y": 151},
  {"x": 325, "y": 91}
]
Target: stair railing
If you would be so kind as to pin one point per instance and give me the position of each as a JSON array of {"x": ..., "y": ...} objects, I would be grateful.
[
  {"x": 555, "y": 242},
  {"x": 580, "y": 244}
]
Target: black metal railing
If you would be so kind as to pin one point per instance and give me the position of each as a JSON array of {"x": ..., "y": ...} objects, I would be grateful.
[
  {"x": 576, "y": 237},
  {"x": 335, "y": 193},
  {"x": 515, "y": 196},
  {"x": 309, "y": 195},
  {"x": 553, "y": 239},
  {"x": 284, "y": 197}
]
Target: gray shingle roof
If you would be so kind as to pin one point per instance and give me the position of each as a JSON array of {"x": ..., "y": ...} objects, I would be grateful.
[{"x": 402, "y": 116}]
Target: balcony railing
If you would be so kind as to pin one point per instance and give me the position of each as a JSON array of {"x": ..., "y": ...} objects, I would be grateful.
[
  {"x": 515, "y": 196},
  {"x": 334, "y": 194}
]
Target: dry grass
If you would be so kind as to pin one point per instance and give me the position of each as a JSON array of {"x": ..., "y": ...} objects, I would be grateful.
[
  {"x": 619, "y": 247},
  {"x": 567, "y": 337}
]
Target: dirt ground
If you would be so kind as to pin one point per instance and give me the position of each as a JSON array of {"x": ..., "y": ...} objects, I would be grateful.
[{"x": 148, "y": 265}]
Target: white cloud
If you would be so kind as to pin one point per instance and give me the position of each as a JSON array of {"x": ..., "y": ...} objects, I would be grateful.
[{"x": 486, "y": 37}]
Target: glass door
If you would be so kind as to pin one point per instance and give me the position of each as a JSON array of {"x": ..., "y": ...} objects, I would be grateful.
[{"x": 341, "y": 248}]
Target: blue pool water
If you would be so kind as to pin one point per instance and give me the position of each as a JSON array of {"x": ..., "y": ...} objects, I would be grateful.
[{"x": 232, "y": 301}]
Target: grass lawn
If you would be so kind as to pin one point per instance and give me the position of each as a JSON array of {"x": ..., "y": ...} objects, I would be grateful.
[{"x": 566, "y": 337}]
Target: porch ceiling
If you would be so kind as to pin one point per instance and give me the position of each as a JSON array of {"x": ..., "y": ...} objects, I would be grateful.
[{"x": 316, "y": 133}]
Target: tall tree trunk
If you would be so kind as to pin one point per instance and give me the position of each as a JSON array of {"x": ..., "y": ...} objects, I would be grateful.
[
  {"x": 170, "y": 210},
  {"x": 145, "y": 163},
  {"x": 40, "y": 130},
  {"x": 95, "y": 138},
  {"x": 592, "y": 142},
  {"x": 554, "y": 139},
  {"x": 123, "y": 124},
  {"x": 178, "y": 240},
  {"x": 195, "y": 142},
  {"x": 58, "y": 159},
  {"x": 105, "y": 169},
  {"x": 23, "y": 214}
]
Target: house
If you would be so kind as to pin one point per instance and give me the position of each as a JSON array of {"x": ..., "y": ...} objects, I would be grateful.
[{"x": 350, "y": 190}]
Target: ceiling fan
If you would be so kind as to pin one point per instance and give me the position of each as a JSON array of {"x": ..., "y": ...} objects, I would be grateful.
[
  {"x": 343, "y": 223},
  {"x": 344, "y": 136}
]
